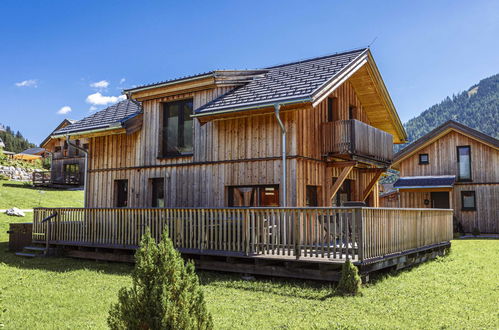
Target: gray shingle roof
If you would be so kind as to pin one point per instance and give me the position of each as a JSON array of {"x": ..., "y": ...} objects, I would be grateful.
[
  {"x": 284, "y": 82},
  {"x": 116, "y": 113},
  {"x": 425, "y": 181}
]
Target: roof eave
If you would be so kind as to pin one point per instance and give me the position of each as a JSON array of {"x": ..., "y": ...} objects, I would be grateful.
[
  {"x": 255, "y": 106},
  {"x": 167, "y": 83}
]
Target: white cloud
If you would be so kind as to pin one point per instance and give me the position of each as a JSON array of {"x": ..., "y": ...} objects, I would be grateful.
[
  {"x": 92, "y": 108},
  {"x": 27, "y": 83},
  {"x": 122, "y": 80},
  {"x": 99, "y": 99},
  {"x": 64, "y": 110},
  {"x": 100, "y": 84}
]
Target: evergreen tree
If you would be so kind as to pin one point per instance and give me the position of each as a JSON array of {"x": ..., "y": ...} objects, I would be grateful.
[
  {"x": 350, "y": 282},
  {"x": 478, "y": 108},
  {"x": 165, "y": 293}
]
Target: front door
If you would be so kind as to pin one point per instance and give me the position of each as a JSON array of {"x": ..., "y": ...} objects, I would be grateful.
[{"x": 440, "y": 200}]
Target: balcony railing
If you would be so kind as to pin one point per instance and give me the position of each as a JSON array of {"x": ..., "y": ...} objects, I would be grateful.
[{"x": 353, "y": 137}]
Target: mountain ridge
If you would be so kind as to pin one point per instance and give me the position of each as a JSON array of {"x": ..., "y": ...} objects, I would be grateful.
[{"x": 476, "y": 107}]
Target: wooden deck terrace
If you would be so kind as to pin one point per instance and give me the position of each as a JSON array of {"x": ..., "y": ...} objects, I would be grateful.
[{"x": 306, "y": 242}]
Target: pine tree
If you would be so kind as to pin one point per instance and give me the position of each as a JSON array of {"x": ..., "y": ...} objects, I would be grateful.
[
  {"x": 350, "y": 282},
  {"x": 165, "y": 293}
]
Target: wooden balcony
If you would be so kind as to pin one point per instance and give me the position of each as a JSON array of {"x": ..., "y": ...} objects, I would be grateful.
[
  {"x": 353, "y": 138},
  {"x": 45, "y": 178},
  {"x": 320, "y": 235}
]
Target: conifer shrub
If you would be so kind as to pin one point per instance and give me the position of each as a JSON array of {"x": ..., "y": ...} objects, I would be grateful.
[
  {"x": 350, "y": 282},
  {"x": 165, "y": 292}
]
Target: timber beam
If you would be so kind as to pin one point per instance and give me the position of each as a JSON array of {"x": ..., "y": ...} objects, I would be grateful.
[
  {"x": 337, "y": 184},
  {"x": 371, "y": 184}
]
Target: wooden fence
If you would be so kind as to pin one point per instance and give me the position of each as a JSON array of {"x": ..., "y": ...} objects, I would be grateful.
[
  {"x": 320, "y": 233},
  {"x": 343, "y": 137}
]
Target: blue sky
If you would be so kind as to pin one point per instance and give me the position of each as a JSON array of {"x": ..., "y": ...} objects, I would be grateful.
[{"x": 52, "y": 52}]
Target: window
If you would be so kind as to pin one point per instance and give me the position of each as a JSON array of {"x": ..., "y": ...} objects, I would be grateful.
[
  {"x": 71, "y": 173},
  {"x": 351, "y": 112},
  {"x": 468, "y": 201},
  {"x": 332, "y": 106},
  {"x": 464, "y": 163},
  {"x": 85, "y": 146},
  {"x": 77, "y": 151},
  {"x": 424, "y": 159},
  {"x": 71, "y": 168},
  {"x": 58, "y": 149},
  {"x": 177, "y": 128},
  {"x": 253, "y": 196},
  {"x": 158, "y": 192},
  {"x": 121, "y": 193},
  {"x": 312, "y": 196}
]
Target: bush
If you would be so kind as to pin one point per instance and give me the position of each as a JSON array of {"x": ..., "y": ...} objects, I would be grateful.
[
  {"x": 475, "y": 231},
  {"x": 165, "y": 293},
  {"x": 350, "y": 282}
]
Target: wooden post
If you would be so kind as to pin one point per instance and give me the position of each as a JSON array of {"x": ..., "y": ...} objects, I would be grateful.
[
  {"x": 296, "y": 234},
  {"x": 47, "y": 237},
  {"x": 357, "y": 218}
]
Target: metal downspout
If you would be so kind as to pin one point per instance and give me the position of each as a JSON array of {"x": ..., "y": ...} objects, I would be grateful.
[
  {"x": 85, "y": 181},
  {"x": 277, "y": 107}
]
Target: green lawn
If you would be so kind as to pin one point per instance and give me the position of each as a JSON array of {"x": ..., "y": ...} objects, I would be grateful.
[
  {"x": 458, "y": 291},
  {"x": 25, "y": 196}
]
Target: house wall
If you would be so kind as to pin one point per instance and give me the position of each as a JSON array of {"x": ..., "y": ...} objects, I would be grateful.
[
  {"x": 70, "y": 156},
  {"x": 238, "y": 151},
  {"x": 443, "y": 161}
]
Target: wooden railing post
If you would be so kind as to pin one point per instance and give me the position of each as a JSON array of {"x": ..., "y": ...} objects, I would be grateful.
[
  {"x": 359, "y": 220},
  {"x": 296, "y": 234}
]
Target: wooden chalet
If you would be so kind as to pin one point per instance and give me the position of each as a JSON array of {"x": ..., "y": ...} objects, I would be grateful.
[
  {"x": 67, "y": 160},
  {"x": 453, "y": 167},
  {"x": 257, "y": 166}
]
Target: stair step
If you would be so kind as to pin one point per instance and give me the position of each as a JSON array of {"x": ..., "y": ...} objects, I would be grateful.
[
  {"x": 24, "y": 254},
  {"x": 34, "y": 248}
]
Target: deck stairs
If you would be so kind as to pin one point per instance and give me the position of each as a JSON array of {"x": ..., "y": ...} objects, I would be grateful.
[{"x": 32, "y": 252}]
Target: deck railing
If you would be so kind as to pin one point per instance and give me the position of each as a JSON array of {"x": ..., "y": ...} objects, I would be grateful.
[
  {"x": 359, "y": 234},
  {"x": 353, "y": 137},
  {"x": 41, "y": 178}
]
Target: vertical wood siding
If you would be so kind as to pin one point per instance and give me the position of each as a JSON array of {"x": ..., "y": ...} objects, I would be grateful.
[{"x": 238, "y": 151}]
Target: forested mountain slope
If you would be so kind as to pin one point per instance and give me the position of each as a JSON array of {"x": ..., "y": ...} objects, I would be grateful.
[
  {"x": 478, "y": 108},
  {"x": 14, "y": 142}
]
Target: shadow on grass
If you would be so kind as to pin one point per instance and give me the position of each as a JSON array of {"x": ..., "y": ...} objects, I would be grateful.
[
  {"x": 30, "y": 187},
  {"x": 294, "y": 288},
  {"x": 61, "y": 264}
]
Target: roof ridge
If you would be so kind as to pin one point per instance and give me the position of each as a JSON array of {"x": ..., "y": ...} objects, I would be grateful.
[
  {"x": 418, "y": 143},
  {"x": 318, "y": 57}
]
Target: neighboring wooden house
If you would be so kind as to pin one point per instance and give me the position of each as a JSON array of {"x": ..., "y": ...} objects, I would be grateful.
[
  {"x": 214, "y": 139},
  {"x": 67, "y": 162},
  {"x": 454, "y": 167}
]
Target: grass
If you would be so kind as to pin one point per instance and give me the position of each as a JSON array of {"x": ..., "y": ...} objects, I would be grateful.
[
  {"x": 457, "y": 291},
  {"x": 25, "y": 196}
]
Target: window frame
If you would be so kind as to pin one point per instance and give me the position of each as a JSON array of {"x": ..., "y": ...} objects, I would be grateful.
[
  {"x": 153, "y": 199},
  {"x": 471, "y": 192},
  {"x": 332, "y": 109},
  {"x": 117, "y": 183},
  {"x": 309, "y": 188},
  {"x": 470, "y": 166},
  {"x": 163, "y": 152},
  {"x": 421, "y": 162}
]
